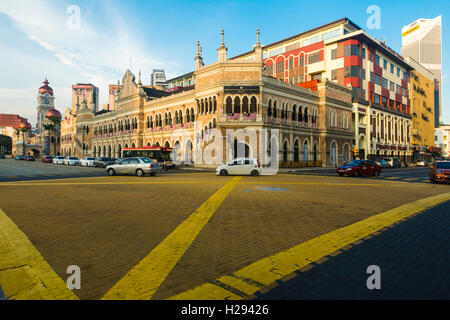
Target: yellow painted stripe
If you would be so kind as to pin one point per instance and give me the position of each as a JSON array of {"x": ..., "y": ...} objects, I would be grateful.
[
  {"x": 24, "y": 273},
  {"x": 266, "y": 271},
  {"x": 141, "y": 282},
  {"x": 105, "y": 183}
]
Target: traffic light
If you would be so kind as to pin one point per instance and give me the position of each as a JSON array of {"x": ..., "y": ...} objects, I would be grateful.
[{"x": 355, "y": 151}]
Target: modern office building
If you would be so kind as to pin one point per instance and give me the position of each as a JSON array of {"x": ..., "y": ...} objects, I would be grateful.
[
  {"x": 158, "y": 78},
  {"x": 422, "y": 41},
  {"x": 343, "y": 53}
]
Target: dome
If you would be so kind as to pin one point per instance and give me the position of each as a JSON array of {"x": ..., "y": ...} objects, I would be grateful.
[
  {"x": 46, "y": 88},
  {"x": 53, "y": 113}
]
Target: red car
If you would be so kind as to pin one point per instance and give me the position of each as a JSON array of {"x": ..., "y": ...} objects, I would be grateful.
[
  {"x": 360, "y": 168},
  {"x": 440, "y": 172},
  {"x": 47, "y": 160}
]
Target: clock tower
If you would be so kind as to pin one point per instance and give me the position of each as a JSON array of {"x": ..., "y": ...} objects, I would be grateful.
[{"x": 46, "y": 102}]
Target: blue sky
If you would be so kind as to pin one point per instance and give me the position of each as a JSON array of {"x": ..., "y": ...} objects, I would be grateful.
[{"x": 35, "y": 40}]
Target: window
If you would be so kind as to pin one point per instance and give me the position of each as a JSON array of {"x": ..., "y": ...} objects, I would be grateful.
[
  {"x": 280, "y": 67},
  {"x": 291, "y": 64},
  {"x": 371, "y": 56},
  {"x": 385, "y": 83},
  {"x": 377, "y": 79},
  {"x": 398, "y": 72},
  {"x": 333, "y": 74},
  {"x": 391, "y": 86},
  {"x": 399, "y": 89},
  {"x": 353, "y": 71},
  {"x": 363, "y": 53},
  {"x": 301, "y": 61},
  {"x": 333, "y": 54},
  {"x": 363, "y": 94},
  {"x": 385, "y": 63},
  {"x": 351, "y": 50},
  {"x": 377, "y": 60},
  {"x": 392, "y": 68},
  {"x": 376, "y": 98},
  {"x": 356, "y": 92},
  {"x": 313, "y": 57},
  {"x": 331, "y": 34},
  {"x": 269, "y": 69},
  {"x": 385, "y": 101},
  {"x": 364, "y": 74},
  {"x": 371, "y": 76},
  {"x": 404, "y": 75}
]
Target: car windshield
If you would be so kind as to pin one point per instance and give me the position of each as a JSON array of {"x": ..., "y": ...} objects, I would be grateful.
[
  {"x": 90, "y": 158},
  {"x": 355, "y": 163},
  {"x": 443, "y": 165}
]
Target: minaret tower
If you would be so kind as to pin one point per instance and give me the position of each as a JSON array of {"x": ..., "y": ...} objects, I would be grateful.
[
  {"x": 222, "y": 51},
  {"x": 198, "y": 57},
  {"x": 46, "y": 102}
]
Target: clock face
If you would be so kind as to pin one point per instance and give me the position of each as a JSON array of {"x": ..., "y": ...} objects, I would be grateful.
[{"x": 46, "y": 101}]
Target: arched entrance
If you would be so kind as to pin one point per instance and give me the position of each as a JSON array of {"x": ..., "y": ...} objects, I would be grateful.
[
  {"x": 296, "y": 151},
  {"x": 285, "y": 151},
  {"x": 333, "y": 154}
]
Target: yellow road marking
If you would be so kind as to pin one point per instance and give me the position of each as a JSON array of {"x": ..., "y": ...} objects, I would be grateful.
[
  {"x": 266, "y": 271},
  {"x": 390, "y": 178},
  {"x": 141, "y": 282},
  {"x": 24, "y": 273}
]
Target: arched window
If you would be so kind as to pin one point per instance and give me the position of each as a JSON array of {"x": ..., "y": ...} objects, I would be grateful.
[
  {"x": 306, "y": 115},
  {"x": 192, "y": 115},
  {"x": 347, "y": 153},
  {"x": 133, "y": 145},
  {"x": 305, "y": 151},
  {"x": 269, "y": 109},
  {"x": 210, "y": 105},
  {"x": 176, "y": 117},
  {"x": 214, "y": 123},
  {"x": 237, "y": 105},
  {"x": 187, "y": 116},
  {"x": 275, "y": 107},
  {"x": 253, "y": 108},
  {"x": 202, "y": 110},
  {"x": 215, "y": 104},
  {"x": 229, "y": 106},
  {"x": 300, "y": 114},
  {"x": 245, "y": 109},
  {"x": 294, "y": 113}
]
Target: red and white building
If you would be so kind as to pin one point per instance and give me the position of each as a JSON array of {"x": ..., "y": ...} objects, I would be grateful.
[{"x": 344, "y": 53}]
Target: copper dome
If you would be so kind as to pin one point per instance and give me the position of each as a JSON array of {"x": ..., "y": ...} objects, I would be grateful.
[
  {"x": 53, "y": 113},
  {"x": 46, "y": 88}
]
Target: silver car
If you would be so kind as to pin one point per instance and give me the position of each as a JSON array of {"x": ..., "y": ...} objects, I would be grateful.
[{"x": 138, "y": 166}]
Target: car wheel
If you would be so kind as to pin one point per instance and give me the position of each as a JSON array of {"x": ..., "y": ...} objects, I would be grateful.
[
  {"x": 111, "y": 172},
  {"x": 139, "y": 173},
  {"x": 356, "y": 174},
  {"x": 152, "y": 174},
  {"x": 223, "y": 172},
  {"x": 341, "y": 174},
  {"x": 255, "y": 173},
  {"x": 376, "y": 173}
]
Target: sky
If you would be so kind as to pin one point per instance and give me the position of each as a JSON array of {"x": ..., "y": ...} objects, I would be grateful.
[{"x": 96, "y": 41}]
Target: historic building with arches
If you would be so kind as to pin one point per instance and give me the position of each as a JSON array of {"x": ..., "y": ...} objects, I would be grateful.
[{"x": 314, "y": 123}]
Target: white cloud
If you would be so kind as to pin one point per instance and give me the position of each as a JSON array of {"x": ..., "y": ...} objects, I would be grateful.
[{"x": 96, "y": 53}]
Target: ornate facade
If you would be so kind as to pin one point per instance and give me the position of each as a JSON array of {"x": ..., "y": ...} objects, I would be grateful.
[{"x": 314, "y": 124}]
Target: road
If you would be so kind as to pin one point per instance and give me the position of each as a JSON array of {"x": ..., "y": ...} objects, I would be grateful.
[{"x": 187, "y": 235}]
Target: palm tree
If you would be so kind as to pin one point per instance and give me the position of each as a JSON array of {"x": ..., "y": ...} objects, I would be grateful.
[{"x": 53, "y": 127}]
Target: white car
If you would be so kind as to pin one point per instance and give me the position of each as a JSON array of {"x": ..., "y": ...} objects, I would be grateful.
[
  {"x": 72, "y": 161},
  {"x": 421, "y": 163},
  {"x": 240, "y": 166},
  {"x": 87, "y": 162},
  {"x": 58, "y": 160}
]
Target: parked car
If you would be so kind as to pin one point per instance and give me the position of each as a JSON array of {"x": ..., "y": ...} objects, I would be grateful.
[
  {"x": 29, "y": 158},
  {"x": 104, "y": 162},
  {"x": 393, "y": 162},
  {"x": 47, "y": 159},
  {"x": 440, "y": 172},
  {"x": 422, "y": 163},
  {"x": 360, "y": 168},
  {"x": 138, "y": 166},
  {"x": 240, "y": 166},
  {"x": 72, "y": 161},
  {"x": 58, "y": 160},
  {"x": 2, "y": 156},
  {"x": 87, "y": 161},
  {"x": 19, "y": 158}
]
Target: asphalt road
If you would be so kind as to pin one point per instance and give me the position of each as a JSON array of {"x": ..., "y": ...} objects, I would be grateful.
[{"x": 193, "y": 230}]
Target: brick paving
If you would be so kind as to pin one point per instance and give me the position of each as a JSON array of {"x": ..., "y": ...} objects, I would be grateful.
[
  {"x": 107, "y": 229},
  {"x": 414, "y": 258}
]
